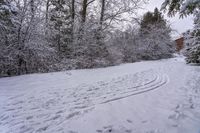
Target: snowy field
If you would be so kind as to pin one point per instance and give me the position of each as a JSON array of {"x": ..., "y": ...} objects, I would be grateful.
[{"x": 145, "y": 97}]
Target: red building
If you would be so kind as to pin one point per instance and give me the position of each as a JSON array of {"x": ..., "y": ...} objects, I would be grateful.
[{"x": 179, "y": 44}]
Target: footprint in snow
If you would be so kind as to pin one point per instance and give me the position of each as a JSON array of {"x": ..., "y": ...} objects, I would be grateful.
[
  {"x": 110, "y": 129},
  {"x": 129, "y": 121}
]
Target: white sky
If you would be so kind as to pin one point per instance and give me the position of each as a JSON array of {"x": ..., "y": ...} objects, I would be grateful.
[{"x": 178, "y": 24}]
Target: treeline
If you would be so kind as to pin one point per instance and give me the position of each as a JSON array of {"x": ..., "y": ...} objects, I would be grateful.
[{"x": 55, "y": 35}]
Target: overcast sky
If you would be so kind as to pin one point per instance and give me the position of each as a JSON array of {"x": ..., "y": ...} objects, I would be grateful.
[{"x": 181, "y": 25}]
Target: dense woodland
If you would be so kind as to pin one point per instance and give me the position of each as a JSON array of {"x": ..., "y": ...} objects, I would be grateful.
[{"x": 55, "y": 35}]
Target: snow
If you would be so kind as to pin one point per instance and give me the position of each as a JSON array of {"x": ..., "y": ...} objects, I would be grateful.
[{"x": 145, "y": 97}]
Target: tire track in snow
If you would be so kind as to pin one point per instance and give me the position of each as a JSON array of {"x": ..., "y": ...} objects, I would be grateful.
[
  {"x": 45, "y": 110},
  {"x": 142, "y": 89}
]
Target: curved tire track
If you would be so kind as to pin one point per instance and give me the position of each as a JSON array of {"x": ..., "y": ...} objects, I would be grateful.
[
  {"x": 54, "y": 106},
  {"x": 142, "y": 89}
]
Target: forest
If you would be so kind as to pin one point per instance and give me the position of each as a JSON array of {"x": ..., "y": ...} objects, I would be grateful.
[{"x": 54, "y": 35}]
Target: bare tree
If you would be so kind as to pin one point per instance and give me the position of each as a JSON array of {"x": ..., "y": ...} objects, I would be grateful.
[
  {"x": 47, "y": 12},
  {"x": 73, "y": 18},
  {"x": 102, "y": 12},
  {"x": 84, "y": 11}
]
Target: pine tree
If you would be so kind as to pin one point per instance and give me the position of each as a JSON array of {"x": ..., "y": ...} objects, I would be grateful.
[
  {"x": 152, "y": 18},
  {"x": 61, "y": 23},
  {"x": 155, "y": 34},
  {"x": 193, "y": 53},
  {"x": 146, "y": 20},
  {"x": 185, "y": 8}
]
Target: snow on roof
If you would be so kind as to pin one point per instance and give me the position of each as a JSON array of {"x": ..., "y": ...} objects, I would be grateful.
[{"x": 177, "y": 37}]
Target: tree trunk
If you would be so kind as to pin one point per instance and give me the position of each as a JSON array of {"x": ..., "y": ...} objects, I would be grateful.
[
  {"x": 73, "y": 18},
  {"x": 59, "y": 40},
  {"x": 102, "y": 12},
  {"x": 32, "y": 5},
  {"x": 83, "y": 19},
  {"x": 84, "y": 11},
  {"x": 73, "y": 10},
  {"x": 47, "y": 12}
]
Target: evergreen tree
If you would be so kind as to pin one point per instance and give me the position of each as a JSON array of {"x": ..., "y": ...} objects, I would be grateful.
[
  {"x": 155, "y": 37},
  {"x": 61, "y": 23},
  {"x": 193, "y": 53},
  {"x": 185, "y": 8},
  {"x": 152, "y": 18},
  {"x": 146, "y": 20},
  {"x": 157, "y": 16}
]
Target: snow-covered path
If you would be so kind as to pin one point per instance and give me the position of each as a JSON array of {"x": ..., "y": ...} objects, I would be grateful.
[{"x": 146, "y": 97}]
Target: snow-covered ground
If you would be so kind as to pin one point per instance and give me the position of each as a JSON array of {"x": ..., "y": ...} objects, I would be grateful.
[{"x": 145, "y": 97}]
